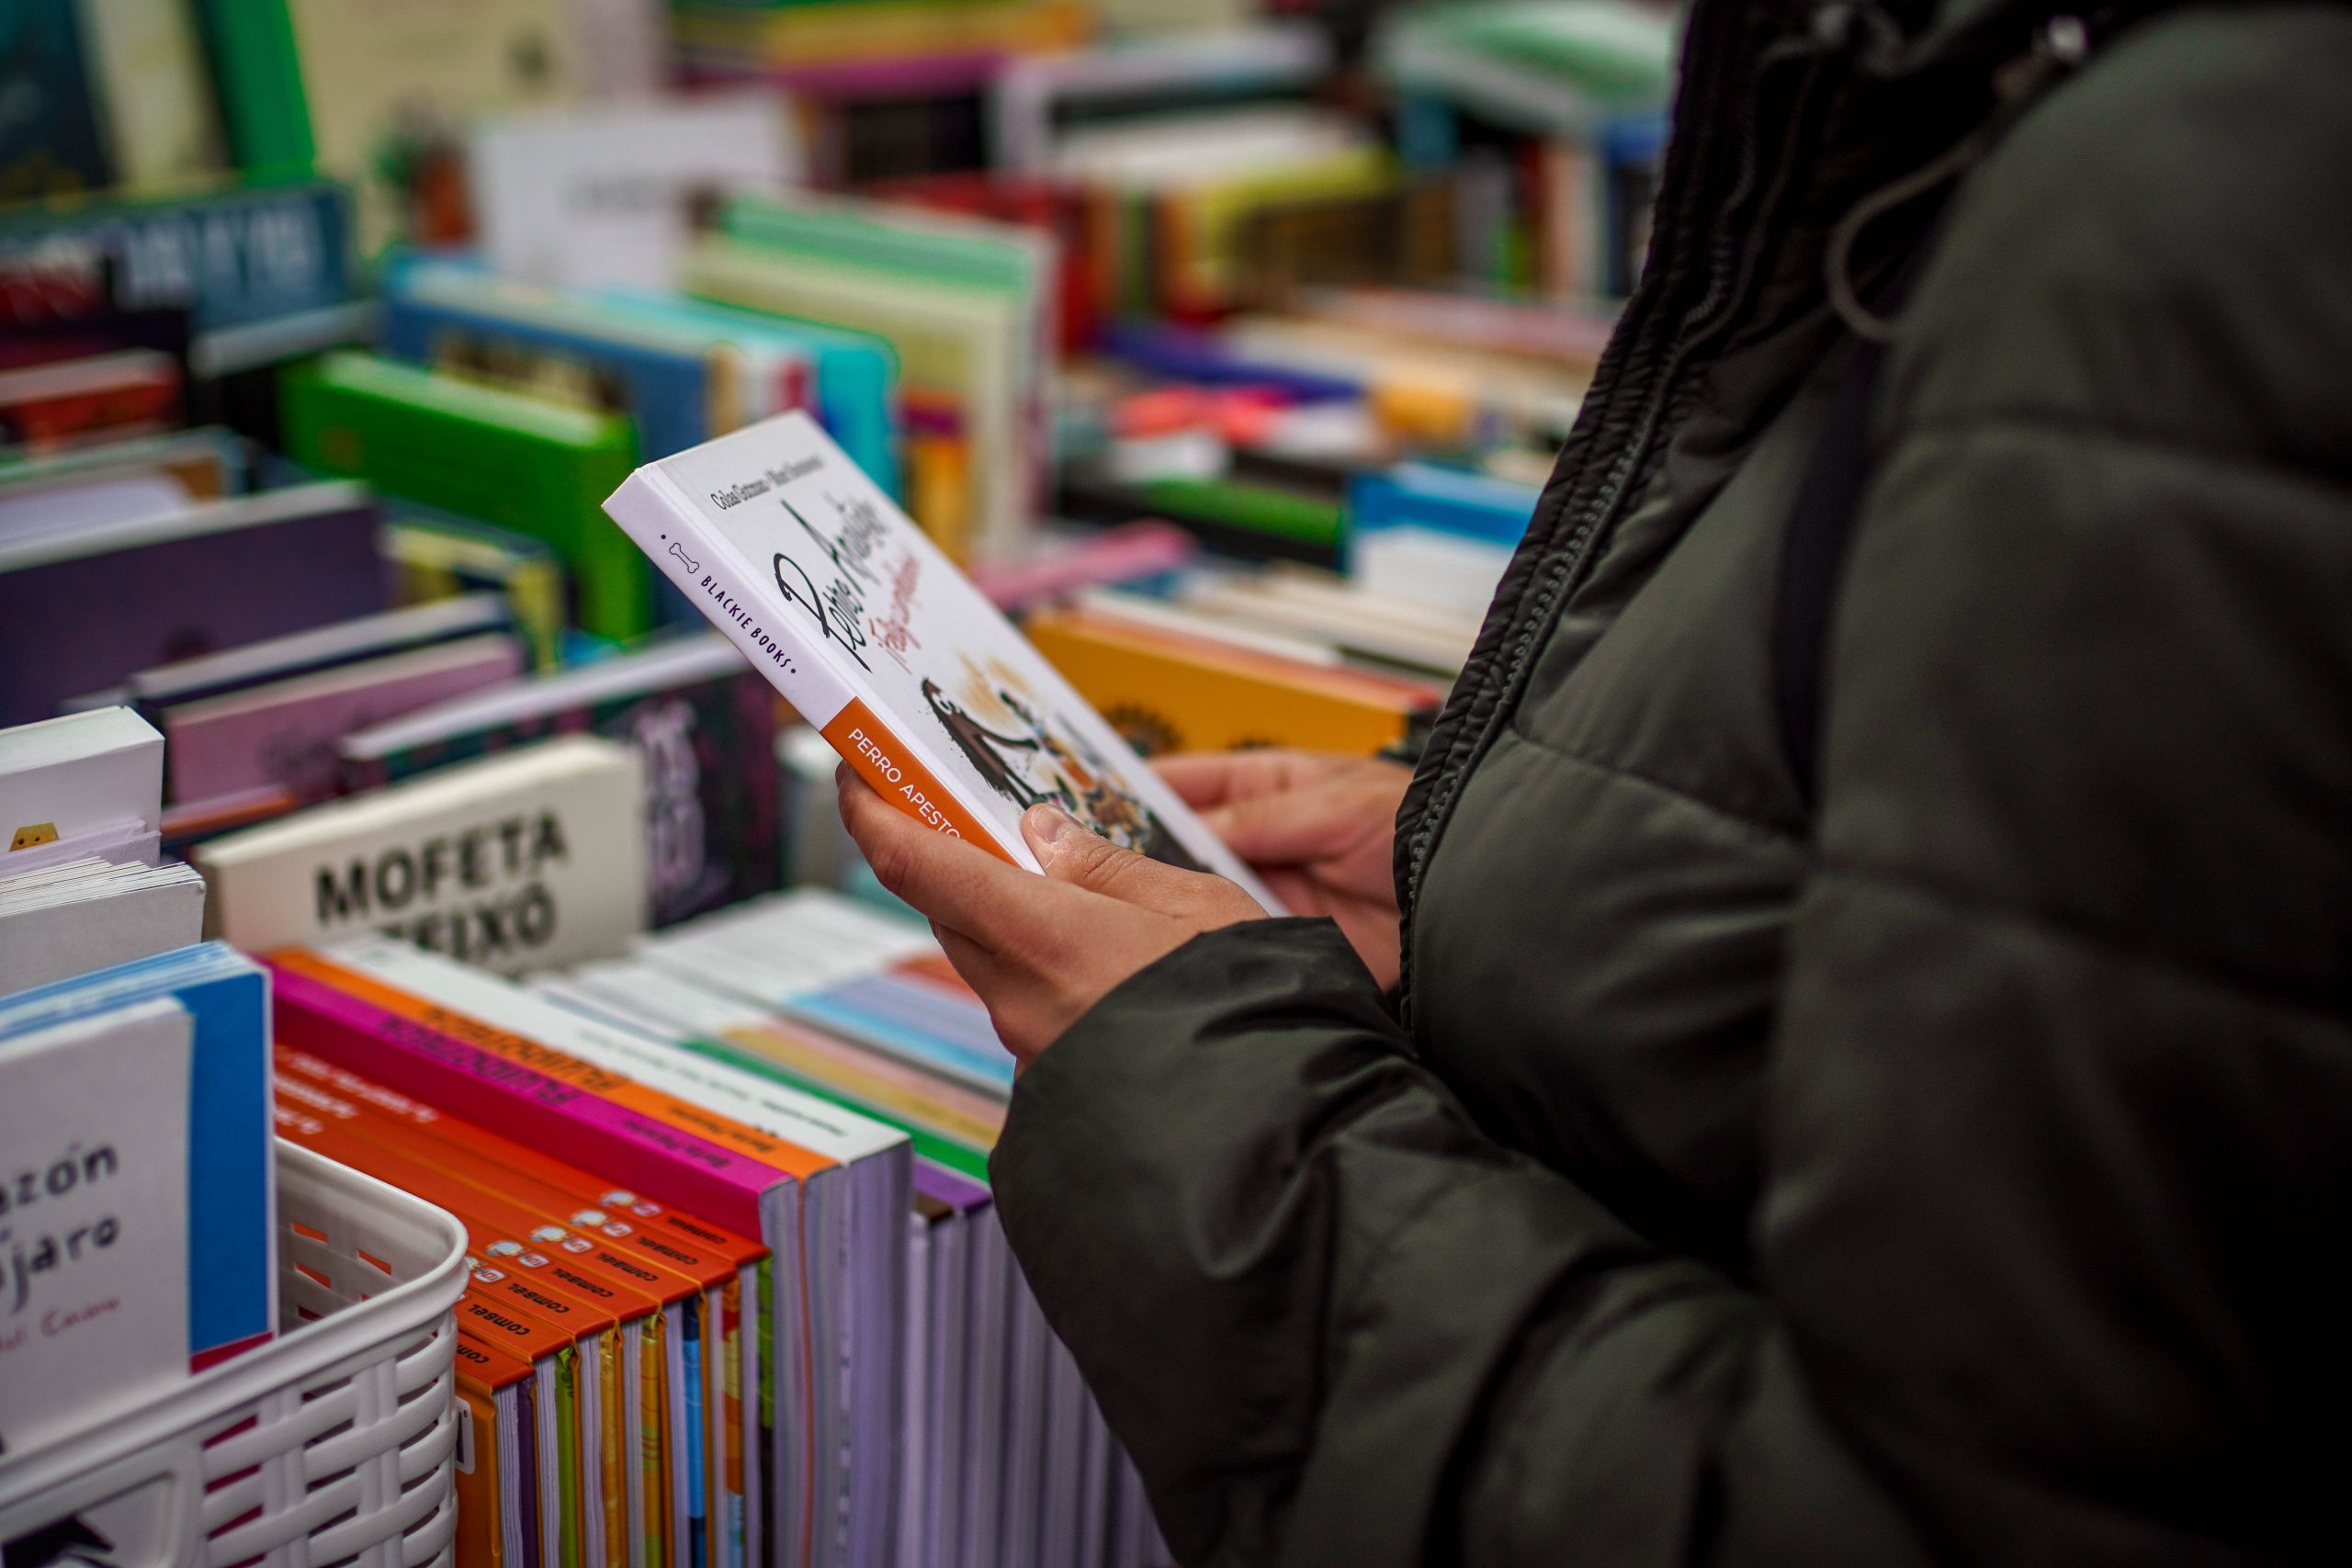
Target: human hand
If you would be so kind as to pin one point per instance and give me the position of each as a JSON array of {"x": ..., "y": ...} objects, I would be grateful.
[
  {"x": 1319, "y": 827},
  {"x": 1040, "y": 950}
]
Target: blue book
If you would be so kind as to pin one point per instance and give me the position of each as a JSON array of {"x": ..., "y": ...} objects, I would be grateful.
[
  {"x": 231, "y": 1179},
  {"x": 51, "y": 140},
  {"x": 255, "y": 257},
  {"x": 917, "y": 1023},
  {"x": 1437, "y": 534},
  {"x": 464, "y": 322},
  {"x": 856, "y": 375},
  {"x": 1447, "y": 500},
  {"x": 1186, "y": 354}
]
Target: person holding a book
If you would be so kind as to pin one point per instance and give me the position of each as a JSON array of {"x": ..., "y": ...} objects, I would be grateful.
[{"x": 1839, "y": 1052}]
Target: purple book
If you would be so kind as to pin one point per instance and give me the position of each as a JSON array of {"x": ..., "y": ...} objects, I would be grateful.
[
  {"x": 87, "y": 609},
  {"x": 284, "y": 732}
]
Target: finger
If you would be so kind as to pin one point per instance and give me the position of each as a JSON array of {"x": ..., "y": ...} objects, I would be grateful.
[
  {"x": 1292, "y": 826},
  {"x": 1071, "y": 855},
  {"x": 1003, "y": 989},
  {"x": 1212, "y": 778},
  {"x": 947, "y": 880},
  {"x": 987, "y": 975}
]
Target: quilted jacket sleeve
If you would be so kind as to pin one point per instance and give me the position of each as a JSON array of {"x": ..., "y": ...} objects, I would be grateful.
[{"x": 2060, "y": 1083}]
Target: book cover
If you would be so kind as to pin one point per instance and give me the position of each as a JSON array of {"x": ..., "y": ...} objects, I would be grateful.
[
  {"x": 494, "y": 1452},
  {"x": 881, "y": 644},
  {"x": 849, "y": 379},
  {"x": 433, "y": 558},
  {"x": 67, "y": 776},
  {"x": 945, "y": 251},
  {"x": 601, "y": 195},
  {"x": 388, "y": 92},
  {"x": 527, "y": 861},
  {"x": 94, "y": 1219},
  {"x": 52, "y": 137},
  {"x": 238, "y": 257},
  {"x": 704, "y": 725},
  {"x": 161, "y": 122},
  {"x": 228, "y": 1175},
  {"x": 481, "y": 452},
  {"x": 963, "y": 344},
  {"x": 284, "y": 732},
  {"x": 501, "y": 334},
  {"x": 314, "y": 651},
  {"x": 83, "y": 611},
  {"x": 79, "y": 487},
  {"x": 1167, "y": 691}
]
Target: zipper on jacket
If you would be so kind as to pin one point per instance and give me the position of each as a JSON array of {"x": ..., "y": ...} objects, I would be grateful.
[{"x": 1562, "y": 566}]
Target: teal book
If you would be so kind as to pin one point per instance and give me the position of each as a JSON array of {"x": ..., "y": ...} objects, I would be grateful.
[{"x": 52, "y": 140}]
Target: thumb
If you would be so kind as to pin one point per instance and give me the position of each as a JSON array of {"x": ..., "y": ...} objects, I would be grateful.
[{"x": 1069, "y": 853}]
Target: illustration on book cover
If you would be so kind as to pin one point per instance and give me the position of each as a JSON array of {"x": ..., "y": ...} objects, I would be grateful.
[
  {"x": 867, "y": 605},
  {"x": 1031, "y": 761}
]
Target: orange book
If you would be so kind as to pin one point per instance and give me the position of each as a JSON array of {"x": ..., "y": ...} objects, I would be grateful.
[
  {"x": 700, "y": 1273},
  {"x": 817, "y": 1181},
  {"x": 531, "y": 1266},
  {"x": 493, "y": 1451}
]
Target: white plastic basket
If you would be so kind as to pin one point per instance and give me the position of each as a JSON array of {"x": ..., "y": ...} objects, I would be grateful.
[{"x": 330, "y": 1445}]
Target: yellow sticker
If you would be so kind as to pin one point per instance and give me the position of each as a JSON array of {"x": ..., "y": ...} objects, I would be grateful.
[{"x": 33, "y": 833}]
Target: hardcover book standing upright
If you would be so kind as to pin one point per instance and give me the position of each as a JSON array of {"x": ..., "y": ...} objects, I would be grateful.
[{"x": 868, "y": 631}]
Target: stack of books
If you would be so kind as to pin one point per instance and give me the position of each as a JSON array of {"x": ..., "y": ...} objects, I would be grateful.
[
  {"x": 1552, "y": 118},
  {"x": 738, "y": 1306},
  {"x": 80, "y": 886},
  {"x": 887, "y": 89},
  {"x": 968, "y": 308}
]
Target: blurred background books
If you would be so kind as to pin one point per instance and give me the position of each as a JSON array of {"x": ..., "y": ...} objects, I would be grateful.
[{"x": 1226, "y": 342}]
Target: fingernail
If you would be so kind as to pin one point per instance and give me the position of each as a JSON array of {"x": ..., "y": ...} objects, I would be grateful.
[{"x": 1049, "y": 824}]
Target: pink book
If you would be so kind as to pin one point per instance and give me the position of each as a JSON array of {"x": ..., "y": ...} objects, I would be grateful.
[{"x": 284, "y": 732}]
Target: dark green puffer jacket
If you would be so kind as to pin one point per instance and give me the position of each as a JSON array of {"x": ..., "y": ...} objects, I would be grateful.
[{"x": 1942, "y": 1167}]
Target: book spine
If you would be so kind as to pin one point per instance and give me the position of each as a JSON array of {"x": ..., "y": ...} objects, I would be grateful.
[
  {"x": 572, "y": 1124},
  {"x": 707, "y": 575}
]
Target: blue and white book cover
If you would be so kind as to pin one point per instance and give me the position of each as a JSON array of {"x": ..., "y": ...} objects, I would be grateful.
[{"x": 95, "y": 1240}]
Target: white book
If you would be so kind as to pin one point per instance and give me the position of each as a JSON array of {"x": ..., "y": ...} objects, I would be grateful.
[
  {"x": 93, "y": 914},
  {"x": 71, "y": 775},
  {"x": 889, "y": 652},
  {"x": 600, "y": 195},
  {"x": 94, "y": 1228},
  {"x": 528, "y": 860}
]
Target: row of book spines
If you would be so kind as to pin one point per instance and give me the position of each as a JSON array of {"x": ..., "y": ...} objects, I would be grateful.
[
  {"x": 544, "y": 1313},
  {"x": 654, "y": 1142},
  {"x": 519, "y": 1206}
]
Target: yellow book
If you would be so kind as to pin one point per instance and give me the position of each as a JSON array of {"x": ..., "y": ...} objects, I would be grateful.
[
  {"x": 1168, "y": 691},
  {"x": 804, "y": 36}
]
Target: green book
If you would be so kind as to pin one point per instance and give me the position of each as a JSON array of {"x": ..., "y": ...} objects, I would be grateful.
[
  {"x": 258, "y": 71},
  {"x": 927, "y": 1142},
  {"x": 538, "y": 468}
]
